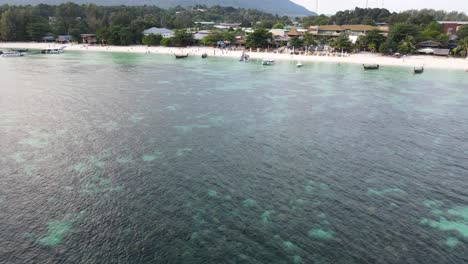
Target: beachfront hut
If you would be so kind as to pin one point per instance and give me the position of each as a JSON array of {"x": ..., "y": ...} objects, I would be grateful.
[
  {"x": 88, "y": 38},
  {"x": 221, "y": 44},
  {"x": 442, "y": 52},
  {"x": 294, "y": 33},
  {"x": 48, "y": 38},
  {"x": 164, "y": 32},
  {"x": 64, "y": 38},
  {"x": 240, "y": 42},
  {"x": 281, "y": 40},
  {"x": 434, "y": 51}
]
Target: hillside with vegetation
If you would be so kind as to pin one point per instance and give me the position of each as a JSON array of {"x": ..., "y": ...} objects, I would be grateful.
[
  {"x": 125, "y": 23},
  {"x": 281, "y": 7}
]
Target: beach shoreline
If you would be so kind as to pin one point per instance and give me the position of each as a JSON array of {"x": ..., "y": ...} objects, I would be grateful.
[{"x": 360, "y": 58}]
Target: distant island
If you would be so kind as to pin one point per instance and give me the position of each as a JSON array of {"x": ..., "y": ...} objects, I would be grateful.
[{"x": 280, "y": 7}]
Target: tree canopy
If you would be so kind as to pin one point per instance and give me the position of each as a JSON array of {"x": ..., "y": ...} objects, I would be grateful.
[
  {"x": 26, "y": 23},
  {"x": 260, "y": 38}
]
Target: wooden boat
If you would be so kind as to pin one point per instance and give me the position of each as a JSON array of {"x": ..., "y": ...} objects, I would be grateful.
[
  {"x": 52, "y": 51},
  {"x": 181, "y": 56},
  {"x": 418, "y": 69},
  {"x": 20, "y": 50},
  {"x": 244, "y": 57},
  {"x": 204, "y": 56},
  {"x": 371, "y": 66},
  {"x": 268, "y": 62},
  {"x": 299, "y": 65},
  {"x": 10, "y": 54}
]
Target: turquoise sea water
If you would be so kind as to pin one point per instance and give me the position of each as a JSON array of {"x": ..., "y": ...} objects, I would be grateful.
[{"x": 132, "y": 158}]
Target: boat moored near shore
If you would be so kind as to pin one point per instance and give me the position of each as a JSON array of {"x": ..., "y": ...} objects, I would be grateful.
[
  {"x": 244, "y": 57},
  {"x": 52, "y": 51},
  {"x": 418, "y": 69},
  {"x": 181, "y": 56},
  {"x": 268, "y": 62},
  {"x": 371, "y": 66},
  {"x": 9, "y": 54}
]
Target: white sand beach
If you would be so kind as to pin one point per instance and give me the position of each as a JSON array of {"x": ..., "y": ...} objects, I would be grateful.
[{"x": 361, "y": 58}]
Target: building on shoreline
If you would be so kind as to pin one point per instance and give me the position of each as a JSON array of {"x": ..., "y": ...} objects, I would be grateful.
[
  {"x": 228, "y": 26},
  {"x": 352, "y": 30},
  {"x": 201, "y": 34},
  {"x": 451, "y": 27},
  {"x": 164, "y": 32},
  {"x": 88, "y": 38},
  {"x": 63, "y": 39},
  {"x": 294, "y": 32}
]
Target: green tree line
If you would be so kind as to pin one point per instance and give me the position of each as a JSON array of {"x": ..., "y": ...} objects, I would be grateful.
[{"x": 118, "y": 25}]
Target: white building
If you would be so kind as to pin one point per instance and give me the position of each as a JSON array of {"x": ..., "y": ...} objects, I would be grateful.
[
  {"x": 201, "y": 34},
  {"x": 278, "y": 32},
  {"x": 164, "y": 32}
]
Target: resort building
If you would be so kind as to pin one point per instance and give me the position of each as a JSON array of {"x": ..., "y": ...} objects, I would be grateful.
[
  {"x": 278, "y": 32},
  {"x": 201, "y": 34},
  {"x": 228, "y": 25},
  {"x": 294, "y": 32},
  {"x": 88, "y": 38},
  {"x": 164, "y": 32},
  {"x": 240, "y": 41},
  {"x": 48, "y": 38},
  {"x": 451, "y": 27},
  {"x": 352, "y": 30},
  {"x": 64, "y": 38}
]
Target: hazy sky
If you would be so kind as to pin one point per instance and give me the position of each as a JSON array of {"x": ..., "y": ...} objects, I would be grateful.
[{"x": 331, "y": 6}]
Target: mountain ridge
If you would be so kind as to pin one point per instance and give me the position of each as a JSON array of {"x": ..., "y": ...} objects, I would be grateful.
[{"x": 280, "y": 7}]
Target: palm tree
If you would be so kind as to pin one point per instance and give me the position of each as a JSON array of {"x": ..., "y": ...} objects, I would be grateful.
[
  {"x": 406, "y": 45},
  {"x": 462, "y": 48}
]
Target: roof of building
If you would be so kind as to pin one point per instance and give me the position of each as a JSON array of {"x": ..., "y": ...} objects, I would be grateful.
[
  {"x": 87, "y": 35},
  {"x": 359, "y": 27},
  {"x": 277, "y": 32},
  {"x": 64, "y": 37},
  {"x": 160, "y": 31},
  {"x": 294, "y": 32},
  {"x": 430, "y": 44},
  {"x": 439, "y": 52},
  {"x": 453, "y": 22},
  {"x": 330, "y": 28},
  {"x": 201, "y": 34}
]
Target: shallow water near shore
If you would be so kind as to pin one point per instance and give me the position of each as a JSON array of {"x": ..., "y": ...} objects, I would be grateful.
[{"x": 142, "y": 158}]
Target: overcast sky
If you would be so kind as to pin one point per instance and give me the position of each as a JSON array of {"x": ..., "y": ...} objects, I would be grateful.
[{"x": 331, "y": 6}]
